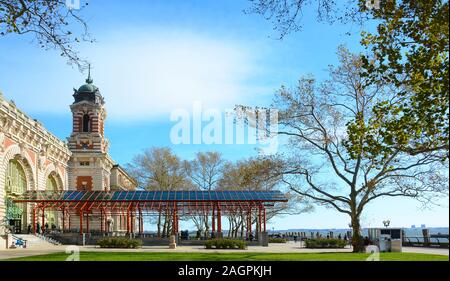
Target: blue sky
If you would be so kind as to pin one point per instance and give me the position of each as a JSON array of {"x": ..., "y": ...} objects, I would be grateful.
[{"x": 152, "y": 57}]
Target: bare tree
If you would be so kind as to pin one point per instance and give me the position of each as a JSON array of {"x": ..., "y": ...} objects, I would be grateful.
[
  {"x": 287, "y": 15},
  {"x": 160, "y": 169},
  {"x": 53, "y": 24},
  {"x": 333, "y": 157}
]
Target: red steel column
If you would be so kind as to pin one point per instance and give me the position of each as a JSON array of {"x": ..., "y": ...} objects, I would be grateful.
[
  {"x": 249, "y": 220},
  {"x": 176, "y": 218},
  {"x": 87, "y": 222},
  {"x": 264, "y": 220},
  {"x": 259, "y": 219},
  {"x": 63, "y": 219},
  {"x": 219, "y": 219},
  {"x": 101, "y": 220},
  {"x": 43, "y": 220},
  {"x": 213, "y": 219},
  {"x": 247, "y": 227},
  {"x": 128, "y": 221},
  {"x": 81, "y": 222},
  {"x": 140, "y": 221},
  {"x": 34, "y": 220},
  {"x": 132, "y": 220}
]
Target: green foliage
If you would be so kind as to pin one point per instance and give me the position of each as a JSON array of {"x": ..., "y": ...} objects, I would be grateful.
[
  {"x": 277, "y": 240},
  {"x": 325, "y": 243},
  {"x": 225, "y": 243},
  {"x": 119, "y": 242}
]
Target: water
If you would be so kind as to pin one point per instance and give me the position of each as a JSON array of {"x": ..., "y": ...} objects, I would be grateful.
[{"x": 409, "y": 232}]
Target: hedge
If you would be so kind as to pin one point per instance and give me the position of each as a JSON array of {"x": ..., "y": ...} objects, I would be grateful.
[
  {"x": 119, "y": 242},
  {"x": 325, "y": 243},
  {"x": 225, "y": 243},
  {"x": 277, "y": 240}
]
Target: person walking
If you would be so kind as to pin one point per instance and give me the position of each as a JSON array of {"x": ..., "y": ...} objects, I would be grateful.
[{"x": 29, "y": 228}]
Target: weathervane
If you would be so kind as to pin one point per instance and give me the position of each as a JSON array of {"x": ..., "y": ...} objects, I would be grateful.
[{"x": 89, "y": 79}]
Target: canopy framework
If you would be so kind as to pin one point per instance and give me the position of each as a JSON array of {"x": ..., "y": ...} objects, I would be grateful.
[{"x": 136, "y": 204}]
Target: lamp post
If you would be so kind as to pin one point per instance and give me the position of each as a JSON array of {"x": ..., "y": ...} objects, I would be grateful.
[{"x": 386, "y": 223}]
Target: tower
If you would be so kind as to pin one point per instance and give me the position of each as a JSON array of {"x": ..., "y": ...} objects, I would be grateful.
[{"x": 90, "y": 165}]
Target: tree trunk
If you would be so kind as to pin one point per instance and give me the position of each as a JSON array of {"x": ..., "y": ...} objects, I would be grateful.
[
  {"x": 357, "y": 240},
  {"x": 158, "y": 224}
]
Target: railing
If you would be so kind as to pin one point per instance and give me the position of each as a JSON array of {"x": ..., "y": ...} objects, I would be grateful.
[
  {"x": 426, "y": 242},
  {"x": 48, "y": 239}
]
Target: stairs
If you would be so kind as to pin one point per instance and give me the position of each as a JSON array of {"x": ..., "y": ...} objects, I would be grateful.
[{"x": 36, "y": 240}]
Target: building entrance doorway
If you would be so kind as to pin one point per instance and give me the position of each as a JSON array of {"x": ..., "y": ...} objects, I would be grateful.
[{"x": 15, "y": 185}]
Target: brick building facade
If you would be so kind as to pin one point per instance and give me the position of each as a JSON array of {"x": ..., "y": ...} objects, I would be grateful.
[{"x": 32, "y": 158}]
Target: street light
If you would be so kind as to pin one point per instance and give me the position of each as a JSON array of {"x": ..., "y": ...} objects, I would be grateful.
[{"x": 386, "y": 223}]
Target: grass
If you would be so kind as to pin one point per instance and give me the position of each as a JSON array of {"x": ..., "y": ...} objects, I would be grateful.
[{"x": 155, "y": 256}]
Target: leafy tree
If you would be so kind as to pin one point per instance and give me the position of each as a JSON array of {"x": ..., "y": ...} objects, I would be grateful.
[
  {"x": 51, "y": 22},
  {"x": 322, "y": 120},
  {"x": 409, "y": 49}
]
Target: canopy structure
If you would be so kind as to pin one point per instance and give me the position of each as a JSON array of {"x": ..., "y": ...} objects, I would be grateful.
[{"x": 136, "y": 204}]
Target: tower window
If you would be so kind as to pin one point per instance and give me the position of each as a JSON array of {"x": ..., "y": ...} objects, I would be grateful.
[{"x": 86, "y": 123}]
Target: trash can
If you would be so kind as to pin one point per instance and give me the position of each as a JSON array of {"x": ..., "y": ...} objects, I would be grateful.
[{"x": 385, "y": 243}]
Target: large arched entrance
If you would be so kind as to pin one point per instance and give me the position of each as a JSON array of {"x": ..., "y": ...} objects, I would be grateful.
[
  {"x": 15, "y": 186},
  {"x": 52, "y": 186}
]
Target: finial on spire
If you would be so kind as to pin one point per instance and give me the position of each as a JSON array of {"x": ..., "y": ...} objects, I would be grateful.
[{"x": 89, "y": 79}]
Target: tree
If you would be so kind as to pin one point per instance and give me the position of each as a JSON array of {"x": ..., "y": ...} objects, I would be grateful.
[
  {"x": 205, "y": 172},
  {"x": 160, "y": 169},
  {"x": 320, "y": 120},
  {"x": 51, "y": 23},
  {"x": 286, "y": 15},
  {"x": 409, "y": 49}
]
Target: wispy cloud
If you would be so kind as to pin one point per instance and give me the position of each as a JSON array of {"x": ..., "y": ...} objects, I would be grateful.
[
  {"x": 142, "y": 73},
  {"x": 148, "y": 74}
]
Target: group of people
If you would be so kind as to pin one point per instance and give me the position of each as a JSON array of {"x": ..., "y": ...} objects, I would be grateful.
[{"x": 41, "y": 230}]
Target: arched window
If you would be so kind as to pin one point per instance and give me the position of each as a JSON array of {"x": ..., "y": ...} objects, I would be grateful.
[
  {"x": 86, "y": 123},
  {"x": 51, "y": 184},
  {"x": 16, "y": 182}
]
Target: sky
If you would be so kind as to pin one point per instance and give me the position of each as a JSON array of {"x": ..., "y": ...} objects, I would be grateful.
[{"x": 153, "y": 57}]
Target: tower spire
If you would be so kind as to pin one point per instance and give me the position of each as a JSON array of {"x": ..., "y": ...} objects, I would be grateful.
[{"x": 89, "y": 79}]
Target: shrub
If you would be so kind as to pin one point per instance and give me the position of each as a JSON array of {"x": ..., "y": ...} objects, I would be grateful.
[
  {"x": 225, "y": 243},
  {"x": 325, "y": 243},
  {"x": 277, "y": 240},
  {"x": 119, "y": 242}
]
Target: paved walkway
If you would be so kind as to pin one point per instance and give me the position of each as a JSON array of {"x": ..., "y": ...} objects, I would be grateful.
[
  {"x": 435, "y": 251},
  {"x": 289, "y": 247}
]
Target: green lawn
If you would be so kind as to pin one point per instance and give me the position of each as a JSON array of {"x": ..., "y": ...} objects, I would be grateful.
[{"x": 153, "y": 256}]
